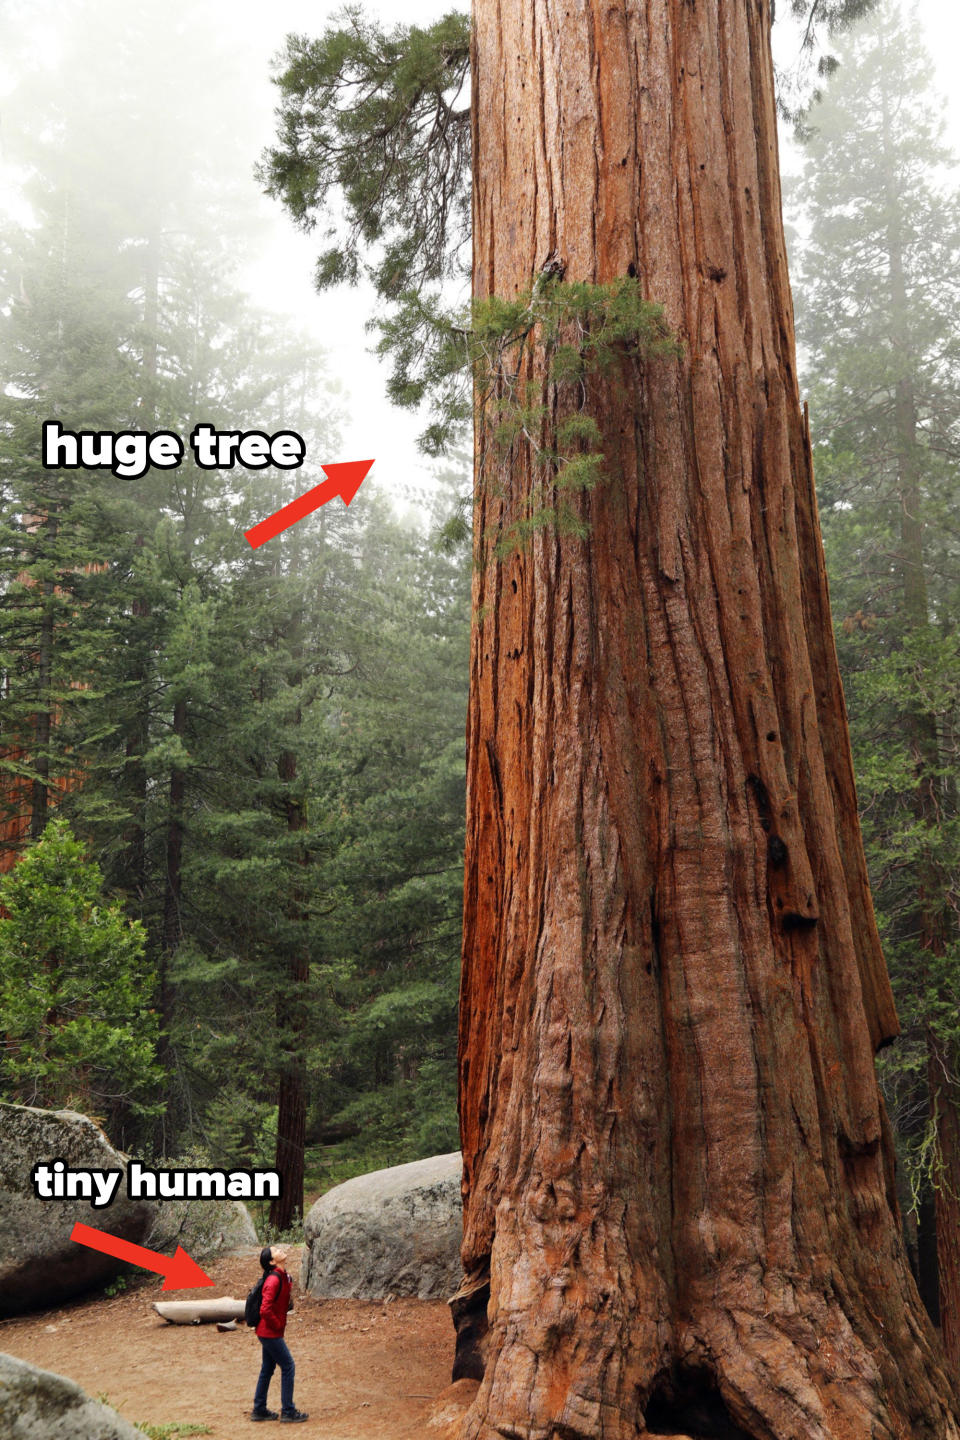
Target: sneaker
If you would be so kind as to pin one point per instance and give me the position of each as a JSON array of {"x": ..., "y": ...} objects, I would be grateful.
[
  {"x": 294, "y": 1416},
  {"x": 264, "y": 1415}
]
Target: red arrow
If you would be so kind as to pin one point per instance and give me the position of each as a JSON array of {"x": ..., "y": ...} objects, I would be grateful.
[
  {"x": 343, "y": 479},
  {"x": 180, "y": 1272}
]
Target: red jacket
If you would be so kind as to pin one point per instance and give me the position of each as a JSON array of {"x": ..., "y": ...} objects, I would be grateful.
[{"x": 274, "y": 1304}]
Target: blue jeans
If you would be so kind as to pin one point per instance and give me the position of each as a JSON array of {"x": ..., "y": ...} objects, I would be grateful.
[{"x": 275, "y": 1352}]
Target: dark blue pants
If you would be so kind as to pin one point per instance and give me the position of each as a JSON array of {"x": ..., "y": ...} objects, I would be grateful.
[{"x": 275, "y": 1352}]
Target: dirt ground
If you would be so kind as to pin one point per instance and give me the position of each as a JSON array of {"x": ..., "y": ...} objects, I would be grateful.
[{"x": 366, "y": 1370}]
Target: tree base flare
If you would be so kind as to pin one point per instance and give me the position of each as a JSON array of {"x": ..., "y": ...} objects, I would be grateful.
[{"x": 743, "y": 1376}]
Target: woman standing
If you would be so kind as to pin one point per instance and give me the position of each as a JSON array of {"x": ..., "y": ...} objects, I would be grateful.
[{"x": 274, "y": 1305}]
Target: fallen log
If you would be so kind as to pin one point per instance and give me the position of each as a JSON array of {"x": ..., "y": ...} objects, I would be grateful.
[{"x": 199, "y": 1312}]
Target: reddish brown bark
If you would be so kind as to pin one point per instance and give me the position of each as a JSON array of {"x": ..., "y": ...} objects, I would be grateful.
[
  {"x": 25, "y": 805},
  {"x": 676, "y": 1160}
]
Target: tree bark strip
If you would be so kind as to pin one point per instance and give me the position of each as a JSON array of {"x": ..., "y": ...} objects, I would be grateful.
[
  {"x": 292, "y": 1033},
  {"x": 676, "y": 1160}
]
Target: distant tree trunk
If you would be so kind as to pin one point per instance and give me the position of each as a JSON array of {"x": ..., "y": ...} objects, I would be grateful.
[
  {"x": 942, "y": 1080},
  {"x": 138, "y": 735},
  {"x": 135, "y": 749},
  {"x": 292, "y": 994},
  {"x": 677, "y": 1165},
  {"x": 44, "y": 719},
  {"x": 292, "y": 1036},
  {"x": 928, "y": 1282},
  {"x": 172, "y": 932},
  {"x": 292, "y": 1024},
  {"x": 912, "y": 1127},
  {"x": 172, "y": 923}
]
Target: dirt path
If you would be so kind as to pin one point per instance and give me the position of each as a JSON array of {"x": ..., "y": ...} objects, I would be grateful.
[{"x": 365, "y": 1370}]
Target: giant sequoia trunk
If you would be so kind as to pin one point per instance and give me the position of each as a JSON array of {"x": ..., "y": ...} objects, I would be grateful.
[{"x": 676, "y": 1161}]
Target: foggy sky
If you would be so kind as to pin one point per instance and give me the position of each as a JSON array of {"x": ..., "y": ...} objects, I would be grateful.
[{"x": 278, "y": 275}]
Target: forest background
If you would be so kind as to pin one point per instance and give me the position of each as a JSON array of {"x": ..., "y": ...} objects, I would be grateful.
[{"x": 232, "y": 782}]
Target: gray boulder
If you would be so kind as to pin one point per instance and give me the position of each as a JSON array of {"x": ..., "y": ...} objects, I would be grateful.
[
  {"x": 203, "y": 1227},
  {"x": 392, "y": 1232},
  {"x": 39, "y": 1263},
  {"x": 38, "y": 1405}
]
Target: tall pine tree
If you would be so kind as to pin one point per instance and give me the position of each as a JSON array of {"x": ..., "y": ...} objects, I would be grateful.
[{"x": 880, "y": 291}]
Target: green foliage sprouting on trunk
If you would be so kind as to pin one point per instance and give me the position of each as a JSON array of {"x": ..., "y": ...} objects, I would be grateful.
[{"x": 533, "y": 360}]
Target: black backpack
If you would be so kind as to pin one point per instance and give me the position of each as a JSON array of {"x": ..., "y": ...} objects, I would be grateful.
[{"x": 251, "y": 1307}]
